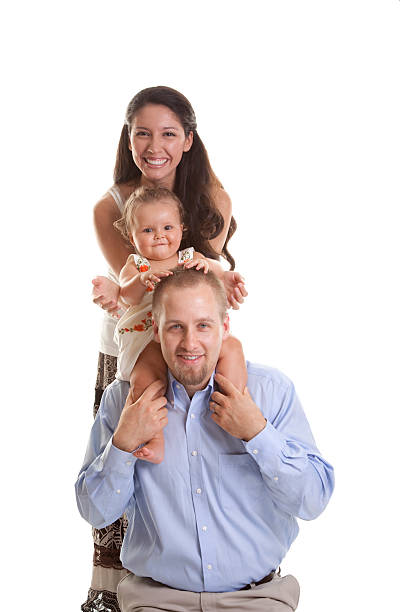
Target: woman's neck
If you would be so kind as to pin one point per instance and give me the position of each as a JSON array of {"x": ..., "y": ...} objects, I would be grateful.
[{"x": 168, "y": 182}]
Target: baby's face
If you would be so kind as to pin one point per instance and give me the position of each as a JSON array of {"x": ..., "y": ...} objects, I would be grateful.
[{"x": 157, "y": 229}]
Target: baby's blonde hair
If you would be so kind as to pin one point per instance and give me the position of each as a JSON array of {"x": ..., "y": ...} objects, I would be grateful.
[{"x": 144, "y": 195}]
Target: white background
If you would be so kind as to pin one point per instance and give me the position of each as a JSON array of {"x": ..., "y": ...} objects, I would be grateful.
[{"x": 298, "y": 105}]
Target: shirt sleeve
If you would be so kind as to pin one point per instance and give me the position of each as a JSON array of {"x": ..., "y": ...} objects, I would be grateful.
[
  {"x": 298, "y": 478},
  {"x": 105, "y": 484}
]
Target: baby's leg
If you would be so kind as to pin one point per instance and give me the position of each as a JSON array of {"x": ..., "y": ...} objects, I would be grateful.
[
  {"x": 150, "y": 367},
  {"x": 232, "y": 364}
]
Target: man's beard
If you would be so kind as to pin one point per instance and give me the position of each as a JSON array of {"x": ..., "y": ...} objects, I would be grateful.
[{"x": 190, "y": 378}]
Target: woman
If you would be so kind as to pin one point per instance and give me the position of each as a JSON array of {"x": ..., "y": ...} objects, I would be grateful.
[{"x": 159, "y": 147}]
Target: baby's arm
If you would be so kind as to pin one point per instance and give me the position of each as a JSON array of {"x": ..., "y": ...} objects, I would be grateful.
[
  {"x": 134, "y": 284},
  {"x": 232, "y": 364}
]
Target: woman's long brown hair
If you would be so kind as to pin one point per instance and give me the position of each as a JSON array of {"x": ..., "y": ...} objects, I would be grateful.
[{"x": 195, "y": 181}]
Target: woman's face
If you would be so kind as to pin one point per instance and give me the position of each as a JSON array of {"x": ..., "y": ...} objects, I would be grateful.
[{"x": 157, "y": 142}]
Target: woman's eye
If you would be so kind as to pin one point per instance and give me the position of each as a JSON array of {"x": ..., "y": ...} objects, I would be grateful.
[
  {"x": 141, "y": 133},
  {"x": 169, "y": 133}
]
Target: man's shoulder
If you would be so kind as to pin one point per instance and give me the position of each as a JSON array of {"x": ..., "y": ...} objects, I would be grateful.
[
  {"x": 259, "y": 374},
  {"x": 269, "y": 388},
  {"x": 115, "y": 393},
  {"x": 112, "y": 403}
]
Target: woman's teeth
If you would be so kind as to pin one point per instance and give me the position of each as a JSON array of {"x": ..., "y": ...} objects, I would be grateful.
[{"x": 155, "y": 162}]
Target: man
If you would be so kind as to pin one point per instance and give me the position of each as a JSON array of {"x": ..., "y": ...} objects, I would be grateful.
[{"x": 208, "y": 526}]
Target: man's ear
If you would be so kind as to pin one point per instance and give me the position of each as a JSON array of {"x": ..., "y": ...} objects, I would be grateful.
[
  {"x": 155, "y": 331},
  {"x": 226, "y": 326}
]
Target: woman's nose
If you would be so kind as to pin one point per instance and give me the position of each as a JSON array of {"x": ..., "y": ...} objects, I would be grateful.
[{"x": 154, "y": 145}]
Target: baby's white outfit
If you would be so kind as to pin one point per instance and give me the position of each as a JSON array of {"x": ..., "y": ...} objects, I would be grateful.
[{"x": 134, "y": 329}]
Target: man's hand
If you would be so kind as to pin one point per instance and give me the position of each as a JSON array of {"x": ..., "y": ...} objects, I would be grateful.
[
  {"x": 236, "y": 412},
  {"x": 141, "y": 421}
]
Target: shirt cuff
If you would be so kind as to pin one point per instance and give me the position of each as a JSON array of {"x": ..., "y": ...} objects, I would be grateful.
[
  {"x": 117, "y": 460},
  {"x": 266, "y": 448}
]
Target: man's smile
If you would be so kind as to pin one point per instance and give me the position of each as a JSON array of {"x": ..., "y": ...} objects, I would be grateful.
[{"x": 190, "y": 358}]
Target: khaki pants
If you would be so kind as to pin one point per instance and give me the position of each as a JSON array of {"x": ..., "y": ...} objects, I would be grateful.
[{"x": 137, "y": 594}]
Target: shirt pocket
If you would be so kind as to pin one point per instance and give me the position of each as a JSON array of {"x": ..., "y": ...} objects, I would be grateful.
[{"x": 240, "y": 481}]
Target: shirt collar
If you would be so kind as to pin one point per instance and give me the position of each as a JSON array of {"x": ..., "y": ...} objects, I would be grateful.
[{"x": 175, "y": 389}]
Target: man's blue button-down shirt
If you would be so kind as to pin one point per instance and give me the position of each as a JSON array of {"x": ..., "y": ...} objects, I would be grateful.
[{"x": 217, "y": 513}]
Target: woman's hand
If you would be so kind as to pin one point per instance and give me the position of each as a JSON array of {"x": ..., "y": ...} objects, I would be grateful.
[
  {"x": 235, "y": 289},
  {"x": 200, "y": 263},
  {"x": 105, "y": 294},
  {"x": 149, "y": 279}
]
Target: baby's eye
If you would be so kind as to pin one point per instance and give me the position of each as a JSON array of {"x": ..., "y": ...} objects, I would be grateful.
[
  {"x": 168, "y": 227},
  {"x": 148, "y": 230}
]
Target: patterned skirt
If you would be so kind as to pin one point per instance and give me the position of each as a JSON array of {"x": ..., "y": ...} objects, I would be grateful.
[{"x": 107, "y": 568}]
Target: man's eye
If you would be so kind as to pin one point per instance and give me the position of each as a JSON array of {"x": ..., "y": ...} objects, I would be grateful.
[{"x": 203, "y": 325}]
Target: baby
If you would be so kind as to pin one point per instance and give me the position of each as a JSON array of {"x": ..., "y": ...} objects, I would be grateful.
[{"x": 153, "y": 222}]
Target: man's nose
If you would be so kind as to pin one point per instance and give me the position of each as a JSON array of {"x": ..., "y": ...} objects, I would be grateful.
[{"x": 189, "y": 339}]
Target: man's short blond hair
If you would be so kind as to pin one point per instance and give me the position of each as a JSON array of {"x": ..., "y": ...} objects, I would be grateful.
[{"x": 182, "y": 279}]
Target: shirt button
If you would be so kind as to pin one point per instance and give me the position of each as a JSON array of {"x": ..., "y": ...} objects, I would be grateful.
[
  {"x": 118, "y": 490},
  {"x": 198, "y": 491},
  {"x": 209, "y": 566},
  {"x": 129, "y": 463},
  {"x": 255, "y": 451},
  {"x": 276, "y": 478},
  {"x": 204, "y": 528},
  {"x": 192, "y": 416},
  {"x": 172, "y": 402},
  {"x": 194, "y": 453}
]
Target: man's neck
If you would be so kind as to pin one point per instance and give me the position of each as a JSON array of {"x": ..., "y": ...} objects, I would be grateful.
[{"x": 192, "y": 389}]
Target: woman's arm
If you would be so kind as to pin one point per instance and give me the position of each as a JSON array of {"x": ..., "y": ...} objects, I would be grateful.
[
  {"x": 224, "y": 205},
  {"x": 113, "y": 246},
  {"x": 232, "y": 281}
]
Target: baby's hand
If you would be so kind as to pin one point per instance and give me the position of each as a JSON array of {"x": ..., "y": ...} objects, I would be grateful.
[
  {"x": 199, "y": 263},
  {"x": 234, "y": 288},
  {"x": 149, "y": 279}
]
